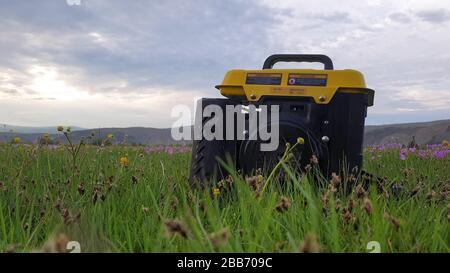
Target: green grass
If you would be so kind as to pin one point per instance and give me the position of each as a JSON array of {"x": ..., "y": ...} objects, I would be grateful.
[{"x": 41, "y": 195}]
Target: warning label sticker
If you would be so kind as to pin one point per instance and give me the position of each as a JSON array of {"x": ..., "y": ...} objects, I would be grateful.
[
  {"x": 263, "y": 78},
  {"x": 308, "y": 79}
]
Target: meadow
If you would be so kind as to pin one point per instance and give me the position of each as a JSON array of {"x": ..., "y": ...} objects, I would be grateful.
[{"x": 121, "y": 198}]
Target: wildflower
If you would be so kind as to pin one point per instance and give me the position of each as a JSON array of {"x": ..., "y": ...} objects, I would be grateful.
[
  {"x": 335, "y": 180},
  {"x": 219, "y": 237},
  {"x": 57, "y": 244},
  {"x": 16, "y": 140},
  {"x": 360, "y": 191},
  {"x": 45, "y": 136},
  {"x": 95, "y": 195},
  {"x": 446, "y": 144},
  {"x": 176, "y": 227},
  {"x": 284, "y": 204},
  {"x": 279, "y": 246},
  {"x": 60, "y": 128},
  {"x": 134, "y": 179},
  {"x": 169, "y": 150},
  {"x": 415, "y": 190},
  {"x": 368, "y": 206},
  {"x": 81, "y": 189},
  {"x": 288, "y": 145},
  {"x": 110, "y": 136},
  {"x": 314, "y": 160},
  {"x": 402, "y": 156},
  {"x": 254, "y": 182},
  {"x": 215, "y": 191},
  {"x": 395, "y": 222},
  {"x": 174, "y": 203},
  {"x": 346, "y": 216},
  {"x": 351, "y": 205},
  {"x": 439, "y": 154},
  {"x": 12, "y": 248},
  {"x": 124, "y": 161},
  {"x": 310, "y": 244},
  {"x": 300, "y": 140},
  {"x": 431, "y": 195},
  {"x": 308, "y": 167}
]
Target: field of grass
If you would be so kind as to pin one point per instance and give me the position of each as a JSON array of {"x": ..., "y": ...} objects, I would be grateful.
[{"x": 136, "y": 199}]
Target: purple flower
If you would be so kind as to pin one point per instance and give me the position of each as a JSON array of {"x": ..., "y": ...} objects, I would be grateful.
[
  {"x": 422, "y": 153},
  {"x": 169, "y": 150},
  {"x": 439, "y": 154}
]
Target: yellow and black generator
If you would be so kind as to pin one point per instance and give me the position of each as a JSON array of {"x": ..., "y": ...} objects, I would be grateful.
[{"x": 325, "y": 108}]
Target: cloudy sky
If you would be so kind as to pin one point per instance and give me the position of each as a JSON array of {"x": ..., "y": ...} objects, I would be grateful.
[{"x": 126, "y": 63}]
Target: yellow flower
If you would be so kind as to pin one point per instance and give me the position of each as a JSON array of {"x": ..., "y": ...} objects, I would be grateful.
[
  {"x": 446, "y": 144},
  {"x": 110, "y": 136},
  {"x": 124, "y": 161},
  {"x": 60, "y": 128},
  {"x": 45, "y": 136},
  {"x": 215, "y": 191},
  {"x": 17, "y": 140},
  {"x": 300, "y": 140},
  {"x": 260, "y": 178}
]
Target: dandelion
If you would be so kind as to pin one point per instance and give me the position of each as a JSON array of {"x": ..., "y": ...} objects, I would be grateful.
[
  {"x": 17, "y": 140},
  {"x": 124, "y": 161},
  {"x": 300, "y": 140},
  {"x": 110, "y": 136},
  {"x": 215, "y": 191}
]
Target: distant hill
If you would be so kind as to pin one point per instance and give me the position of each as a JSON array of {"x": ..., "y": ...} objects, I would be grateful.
[
  {"x": 424, "y": 133},
  {"x": 5, "y": 128}
]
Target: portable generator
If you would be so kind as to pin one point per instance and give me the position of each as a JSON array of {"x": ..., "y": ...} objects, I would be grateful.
[{"x": 326, "y": 109}]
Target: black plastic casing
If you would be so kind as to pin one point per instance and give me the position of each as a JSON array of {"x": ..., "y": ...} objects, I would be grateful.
[{"x": 341, "y": 122}]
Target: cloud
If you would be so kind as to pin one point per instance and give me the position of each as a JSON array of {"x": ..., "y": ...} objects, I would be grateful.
[
  {"x": 401, "y": 17},
  {"x": 118, "y": 63},
  {"x": 434, "y": 16}
]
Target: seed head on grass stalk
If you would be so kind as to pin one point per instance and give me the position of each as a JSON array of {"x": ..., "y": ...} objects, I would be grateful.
[
  {"x": 285, "y": 158},
  {"x": 72, "y": 148},
  {"x": 310, "y": 244}
]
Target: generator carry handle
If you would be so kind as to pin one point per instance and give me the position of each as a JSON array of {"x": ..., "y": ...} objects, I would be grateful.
[{"x": 311, "y": 58}]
